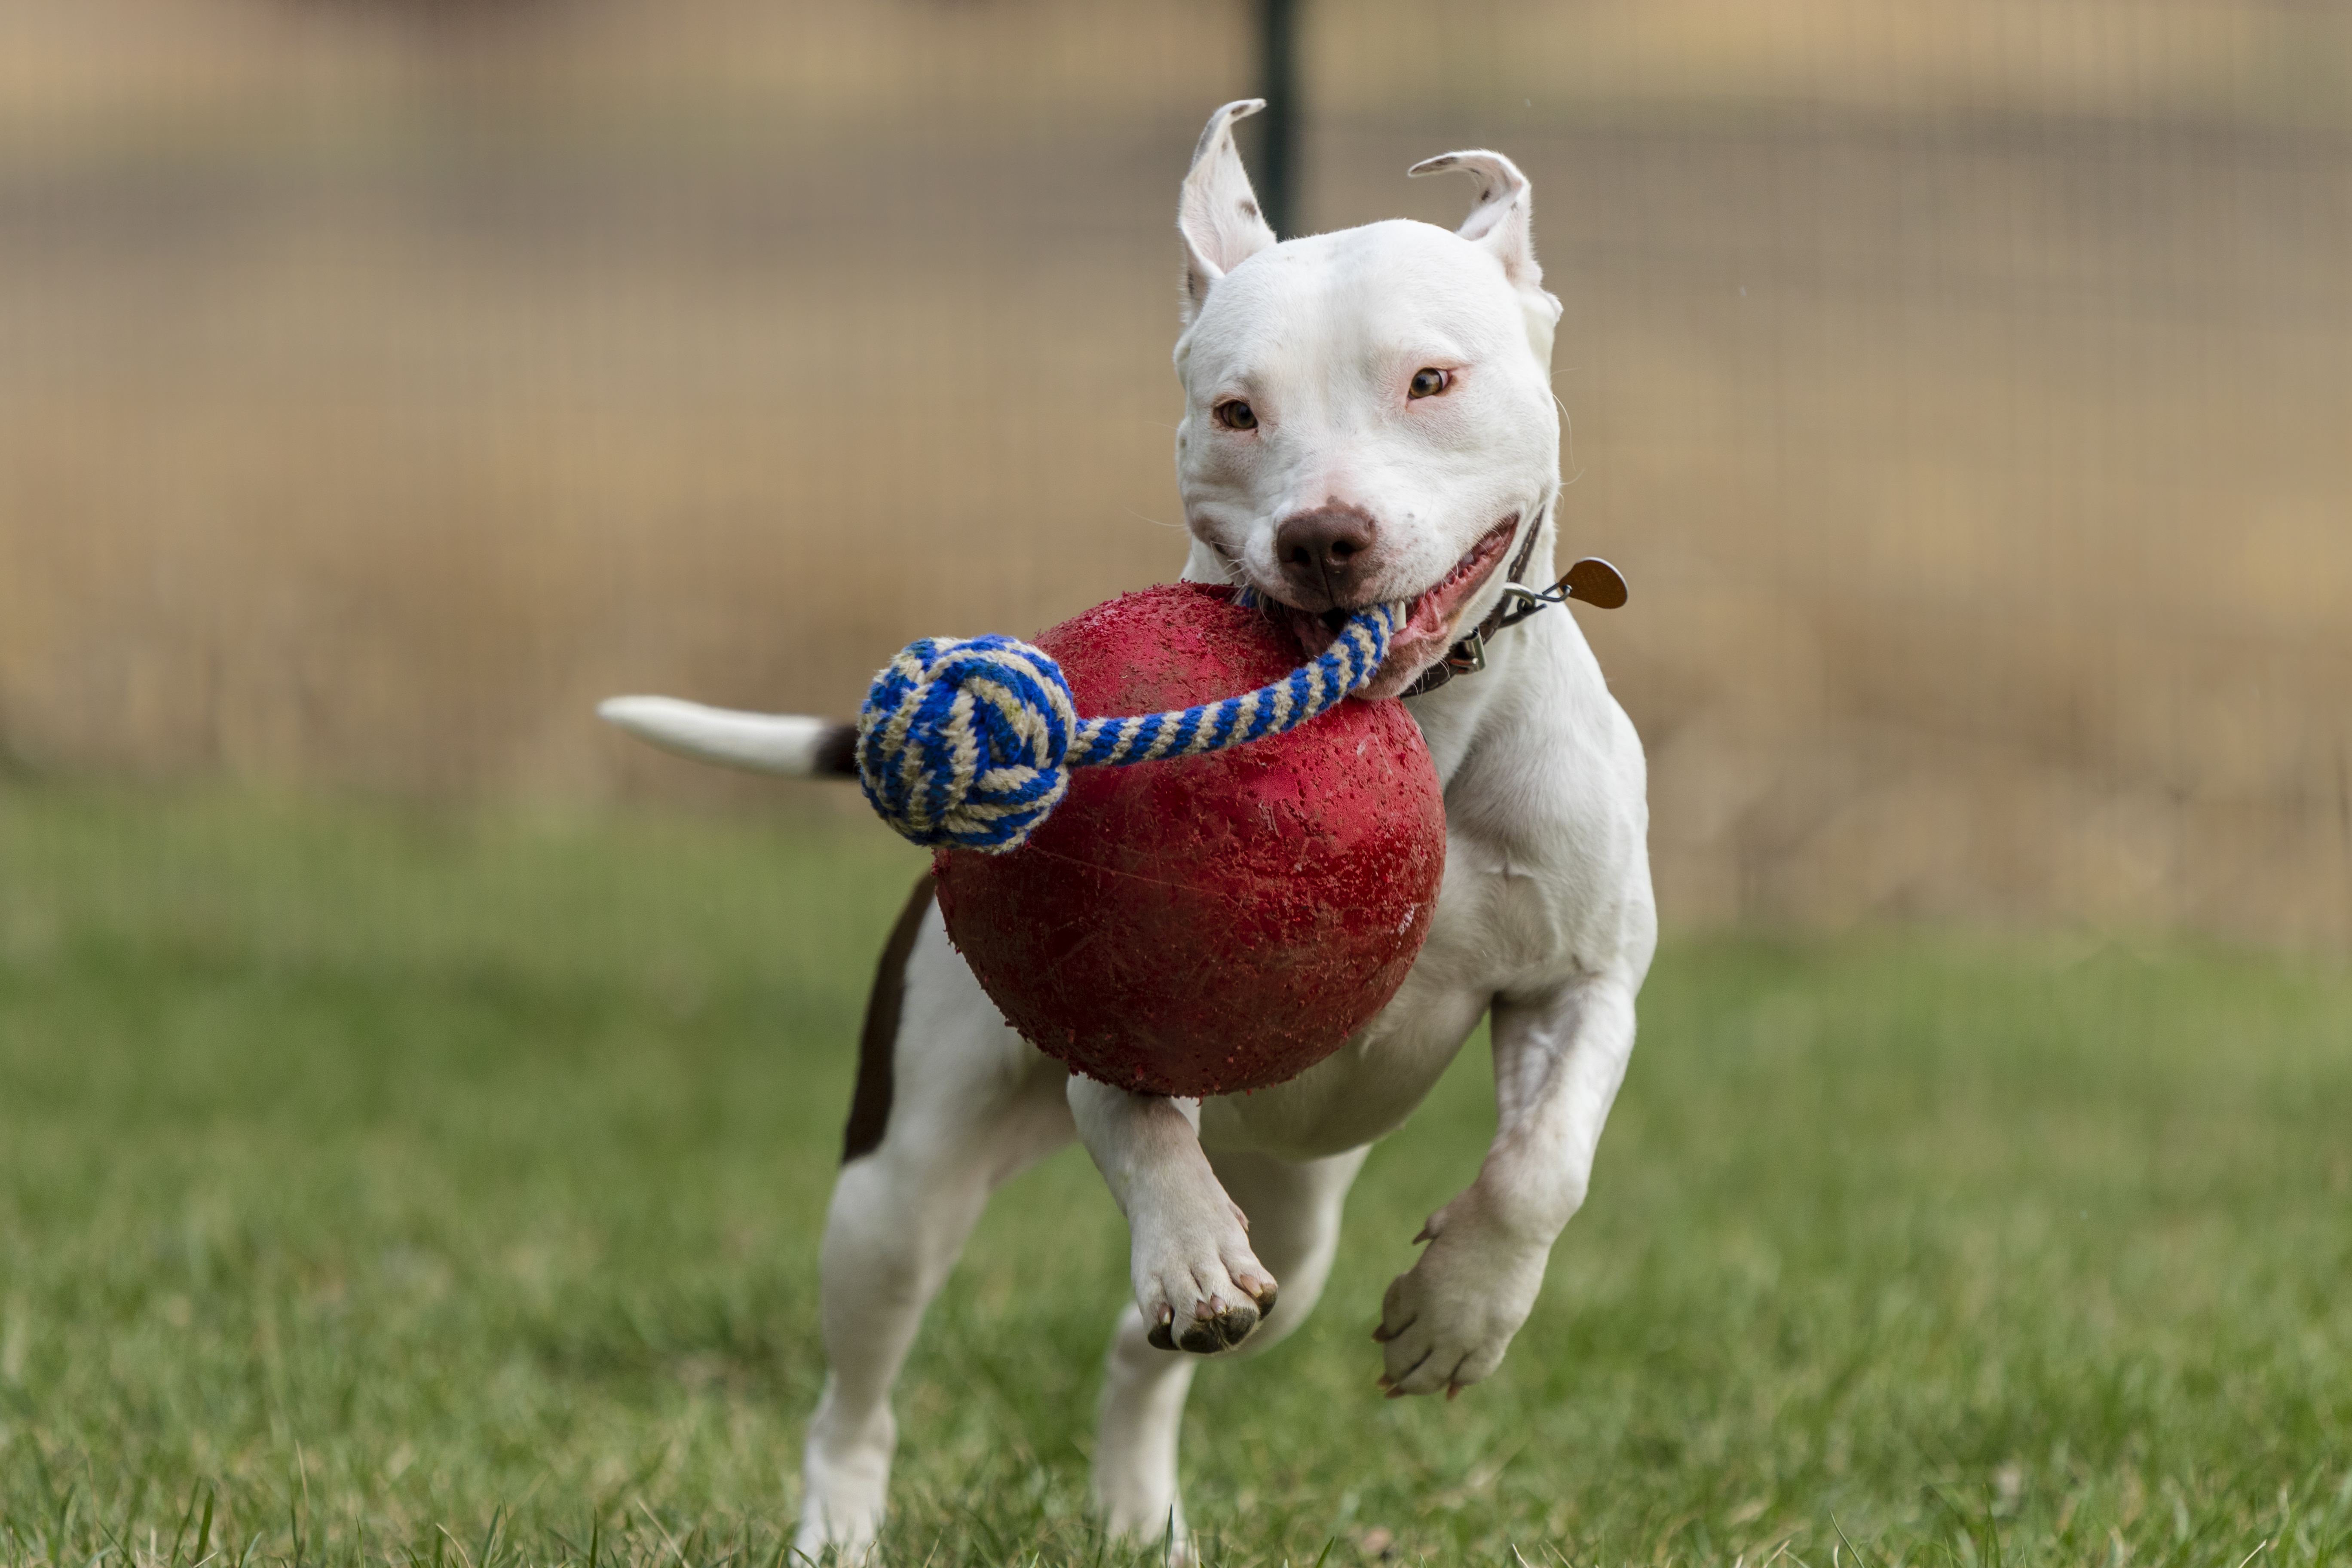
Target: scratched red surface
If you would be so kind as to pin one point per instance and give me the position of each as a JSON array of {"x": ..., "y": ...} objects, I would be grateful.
[{"x": 1215, "y": 923}]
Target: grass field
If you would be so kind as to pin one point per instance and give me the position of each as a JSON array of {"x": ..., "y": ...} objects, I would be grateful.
[{"x": 422, "y": 1189}]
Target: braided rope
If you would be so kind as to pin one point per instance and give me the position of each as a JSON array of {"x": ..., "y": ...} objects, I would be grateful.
[{"x": 970, "y": 741}]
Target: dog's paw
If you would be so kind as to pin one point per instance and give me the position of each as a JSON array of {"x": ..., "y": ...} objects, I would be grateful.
[
  {"x": 1446, "y": 1321},
  {"x": 1200, "y": 1286}
]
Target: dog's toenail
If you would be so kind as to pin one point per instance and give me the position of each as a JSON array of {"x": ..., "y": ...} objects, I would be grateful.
[
  {"x": 1266, "y": 1299},
  {"x": 1201, "y": 1339}
]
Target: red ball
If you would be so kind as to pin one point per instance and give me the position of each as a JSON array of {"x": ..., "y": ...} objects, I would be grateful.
[{"x": 1214, "y": 924}]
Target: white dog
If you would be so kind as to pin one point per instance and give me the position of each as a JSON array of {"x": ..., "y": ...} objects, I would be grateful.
[{"x": 1368, "y": 418}]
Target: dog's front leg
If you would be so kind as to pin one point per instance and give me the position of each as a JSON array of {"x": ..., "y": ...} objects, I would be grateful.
[
  {"x": 1199, "y": 1286},
  {"x": 1559, "y": 1058}
]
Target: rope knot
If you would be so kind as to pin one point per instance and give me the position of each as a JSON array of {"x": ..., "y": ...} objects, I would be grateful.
[
  {"x": 969, "y": 742},
  {"x": 964, "y": 742}
]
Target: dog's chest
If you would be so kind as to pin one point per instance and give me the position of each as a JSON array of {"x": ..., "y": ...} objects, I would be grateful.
[{"x": 1500, "y": 923}]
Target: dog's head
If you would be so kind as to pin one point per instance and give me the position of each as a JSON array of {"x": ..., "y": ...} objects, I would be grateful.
[{"x": 1369, "y": 415}]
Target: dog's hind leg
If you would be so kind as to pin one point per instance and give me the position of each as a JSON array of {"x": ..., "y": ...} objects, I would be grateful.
[
  {"x": 1294, "y": 1209},
  {"x": 964, "y": 1105}
]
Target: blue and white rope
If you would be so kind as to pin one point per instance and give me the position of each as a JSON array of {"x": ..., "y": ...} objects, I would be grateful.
[{"x": 970, "y": 741}]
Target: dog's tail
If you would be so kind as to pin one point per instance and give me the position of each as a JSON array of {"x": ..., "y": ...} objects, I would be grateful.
[{"x": 788, "y": 743}]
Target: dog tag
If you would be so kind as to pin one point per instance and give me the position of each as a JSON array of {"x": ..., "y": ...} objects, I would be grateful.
[{"x": 1594, "y": 581}]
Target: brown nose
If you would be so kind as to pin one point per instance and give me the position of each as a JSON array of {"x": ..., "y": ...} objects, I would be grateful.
[{"x": 1325, "y": 554}]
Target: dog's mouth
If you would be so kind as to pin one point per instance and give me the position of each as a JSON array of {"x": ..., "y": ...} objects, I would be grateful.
[{"x": 1430, "y": 616}]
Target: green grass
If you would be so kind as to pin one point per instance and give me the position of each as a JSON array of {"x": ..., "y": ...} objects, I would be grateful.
[{"x": 405, "y": 1188}]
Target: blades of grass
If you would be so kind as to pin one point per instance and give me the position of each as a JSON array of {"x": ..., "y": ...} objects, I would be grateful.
[
  {"x": 1323, "y": 1556},
  {"x": 187, "y": 1517},
  {"x": 1850, "y": 1546},
  {"x": 490, "y": 1538},
  {"x": 662, "y": 1529},
  {"x": 302, "y": 1470},
  {"x": 204, "y": 1531},
  {"x": 1988, "y": 1550},
  {"x": 121, "y": 1541}
]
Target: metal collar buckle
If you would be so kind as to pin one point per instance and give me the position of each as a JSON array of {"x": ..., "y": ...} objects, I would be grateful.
[
  {"x": 1517, "y": 603},
  {"x": 1467, "y": 656}
]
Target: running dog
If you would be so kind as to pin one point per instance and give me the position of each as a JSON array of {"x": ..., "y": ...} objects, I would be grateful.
[{"x": 1368, "y": 418}]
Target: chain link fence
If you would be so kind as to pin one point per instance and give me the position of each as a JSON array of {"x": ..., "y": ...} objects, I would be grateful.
[{"x": 1966, "y": 391}]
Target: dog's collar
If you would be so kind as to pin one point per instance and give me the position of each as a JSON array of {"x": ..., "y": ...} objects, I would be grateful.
[{"x": 1591, "y": 581}]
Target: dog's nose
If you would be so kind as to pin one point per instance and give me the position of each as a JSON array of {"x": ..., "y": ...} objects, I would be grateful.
[{"x": 1325, "y": 554}]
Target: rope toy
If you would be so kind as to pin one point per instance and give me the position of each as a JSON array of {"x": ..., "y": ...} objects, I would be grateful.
[{"x": 967, "y": 742}]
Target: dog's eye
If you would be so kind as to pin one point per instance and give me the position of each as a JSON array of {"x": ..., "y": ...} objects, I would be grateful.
[
  {"x": 1234, "y": 415},
  {"x": 1429, "y": 383}
]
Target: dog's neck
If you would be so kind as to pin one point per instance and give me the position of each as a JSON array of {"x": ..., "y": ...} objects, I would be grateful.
[{"x": 1457, "y": 716}]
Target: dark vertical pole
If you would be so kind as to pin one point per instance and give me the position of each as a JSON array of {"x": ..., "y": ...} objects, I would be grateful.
[{"x": 1277, "y": 160}]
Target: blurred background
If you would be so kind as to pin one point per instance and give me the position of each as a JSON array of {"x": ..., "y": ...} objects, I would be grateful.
[{"x": 1966, "y": 391}]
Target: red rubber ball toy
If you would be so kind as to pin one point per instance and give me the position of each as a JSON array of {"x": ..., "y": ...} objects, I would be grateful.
[{"x": 1216, "y": 923}]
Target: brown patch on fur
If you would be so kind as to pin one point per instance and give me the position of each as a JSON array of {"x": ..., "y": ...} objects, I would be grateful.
[
  {"x": 870, "y": 1106},
  {"x": 837, "y": 754}
]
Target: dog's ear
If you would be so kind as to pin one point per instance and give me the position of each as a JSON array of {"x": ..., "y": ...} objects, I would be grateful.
[
  {"x": 1504, "y": 222},
  {"x": 1217, "y": 212},
  {"x": 1504, "y": 219}
]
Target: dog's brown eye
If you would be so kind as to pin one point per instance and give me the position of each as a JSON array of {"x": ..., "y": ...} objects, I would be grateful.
[
  {"x": 1234, "y": 415},
  {"x": 1429, "y": 383}
]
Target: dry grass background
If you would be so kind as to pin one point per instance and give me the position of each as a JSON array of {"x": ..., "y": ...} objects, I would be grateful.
[{"x": 1966, "y": 390}]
